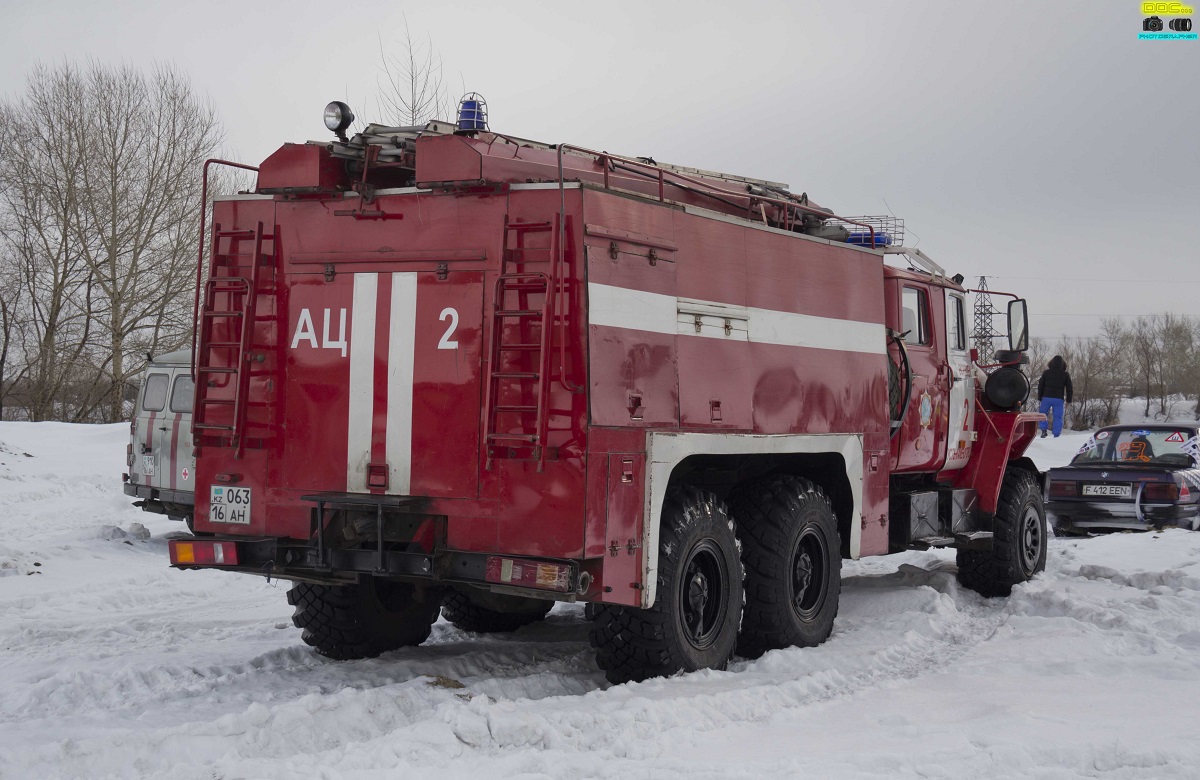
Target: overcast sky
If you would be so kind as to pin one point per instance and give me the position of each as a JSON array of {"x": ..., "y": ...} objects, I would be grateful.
[{"x": 1039, "y": 143}]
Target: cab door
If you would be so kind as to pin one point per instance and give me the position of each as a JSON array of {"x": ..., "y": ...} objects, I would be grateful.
[
  {"x": 961, "y": 377},
  {"x": 921, "y": 443}
]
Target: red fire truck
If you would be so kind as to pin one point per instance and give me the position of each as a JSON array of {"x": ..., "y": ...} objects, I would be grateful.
[{"x": 440, "y": 367}]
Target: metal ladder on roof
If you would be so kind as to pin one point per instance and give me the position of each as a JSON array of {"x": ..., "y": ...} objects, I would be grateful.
[
  {"x": 234, "y": 296},
  {"x": 516, "y": 406}
]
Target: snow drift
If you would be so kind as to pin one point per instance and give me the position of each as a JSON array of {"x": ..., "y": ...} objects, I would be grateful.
[{"x": 115, "y": 665}]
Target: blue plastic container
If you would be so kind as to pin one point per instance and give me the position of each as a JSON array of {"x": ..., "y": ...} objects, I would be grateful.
[{"x": 864, "y": 239}]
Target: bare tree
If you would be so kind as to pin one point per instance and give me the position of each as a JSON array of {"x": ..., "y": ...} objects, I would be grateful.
[
  {"x": 412, "y": 85},
  {"x": 1039, "y": 354},
  {"x": 1114, "y": 368},
  {"x": 38, "y": 188},
  {"x": 100, "y": 186},
  {"x": 1144, "y": 353}
]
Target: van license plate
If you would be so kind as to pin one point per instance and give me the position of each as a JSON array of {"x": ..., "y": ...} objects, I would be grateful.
[
  {"x": 1115, "y": 491},
  {"x": 148, "y": 465},
  {"x": 229, "y": 505}
]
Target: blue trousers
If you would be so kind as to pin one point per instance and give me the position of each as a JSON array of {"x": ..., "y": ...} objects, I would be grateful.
[{"x": 1058, "y": 406}]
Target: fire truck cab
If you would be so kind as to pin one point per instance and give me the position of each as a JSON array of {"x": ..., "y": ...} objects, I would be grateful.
[{"x": 442, "y": 368}]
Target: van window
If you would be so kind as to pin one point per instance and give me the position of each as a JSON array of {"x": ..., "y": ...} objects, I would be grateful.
[
  {"x": 181, "y": 394},
  {"x": 914, "y": 315},
  {"x": 154, "y": 398}
]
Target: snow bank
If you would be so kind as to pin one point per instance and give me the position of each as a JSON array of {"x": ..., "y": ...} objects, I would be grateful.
[{"x": 116, "y": 666}]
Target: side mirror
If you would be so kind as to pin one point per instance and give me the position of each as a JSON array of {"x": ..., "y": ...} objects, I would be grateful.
[{"x": 1018, "y": 325}]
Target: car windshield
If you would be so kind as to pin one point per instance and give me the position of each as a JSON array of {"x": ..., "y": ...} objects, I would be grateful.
[{"x": 1140, "y": 446}]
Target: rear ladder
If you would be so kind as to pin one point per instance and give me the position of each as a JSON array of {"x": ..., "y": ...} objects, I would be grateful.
[
  {"x": 518, "y": 381},
  {"x": 225, "y": 355}
]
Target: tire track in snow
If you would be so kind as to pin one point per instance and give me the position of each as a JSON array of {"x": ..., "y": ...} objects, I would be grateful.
[
  {"x": 315, "y": 729},
  {"x": 279, "y": 674}
]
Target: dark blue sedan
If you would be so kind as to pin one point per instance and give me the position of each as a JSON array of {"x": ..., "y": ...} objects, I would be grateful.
[{"x": 1129, "y": 477}]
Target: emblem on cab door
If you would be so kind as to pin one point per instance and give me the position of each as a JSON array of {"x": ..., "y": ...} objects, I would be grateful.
[{"x": 926, "y": 409}]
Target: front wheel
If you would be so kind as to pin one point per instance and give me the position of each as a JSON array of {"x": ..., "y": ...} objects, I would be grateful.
[
  {"x": 694, "y": 621},
  {"x": 1018, "y": 540}
]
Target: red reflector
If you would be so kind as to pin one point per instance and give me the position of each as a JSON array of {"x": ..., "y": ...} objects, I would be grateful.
[
  {"x": 1059, "y": 489},
  {"x": 186, "y": 552},
  {"x": 1161, "y": 491},
  {"x": 547, "y": 575},
  {"x": 1184, "y": 493}
]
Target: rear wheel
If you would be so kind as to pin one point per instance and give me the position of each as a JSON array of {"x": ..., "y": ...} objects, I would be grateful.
[
  {"x": 793, "y": 563},
  {"x": 1018, "y": 541},
  {"x": 694, "y": 621},
  {"x": 513, "y": 612},
  {"x": 364, "y": 619}
]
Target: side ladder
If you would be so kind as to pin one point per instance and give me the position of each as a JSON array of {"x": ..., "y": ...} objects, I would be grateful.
[
  {"x": 518, "y": 381},
  {"x": 224, "y": 357}
]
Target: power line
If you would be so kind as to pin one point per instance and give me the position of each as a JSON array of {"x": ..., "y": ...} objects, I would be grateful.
[{"x": 1090, "y": 279}]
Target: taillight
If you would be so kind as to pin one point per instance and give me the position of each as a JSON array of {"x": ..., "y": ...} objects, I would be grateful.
[
  {"x": 184, "y": 553},
  {"x": 548, "y": 575},
  {"x": 1061, "y": 489},
  {"x": 1161, "y": 491}
]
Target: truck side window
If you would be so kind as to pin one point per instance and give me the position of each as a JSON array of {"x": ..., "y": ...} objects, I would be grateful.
[
  {"x": 154, "y": 398},
  {"x": 914, "y": 313},
  {"x": 181, "y": 394},
  {"x": 956, "y": 323}
]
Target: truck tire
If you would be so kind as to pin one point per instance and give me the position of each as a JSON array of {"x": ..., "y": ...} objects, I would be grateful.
[
  {"x": 1018, "y": 542},
  {"x": 694, "y": 621},
  {"x": 465, "y": 614},
  {"x": 793, "y": 562},
  {"x": 362, "y": 620}
]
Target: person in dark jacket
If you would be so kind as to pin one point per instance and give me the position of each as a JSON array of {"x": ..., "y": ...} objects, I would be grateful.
[{"x": 1054, "y": 391}]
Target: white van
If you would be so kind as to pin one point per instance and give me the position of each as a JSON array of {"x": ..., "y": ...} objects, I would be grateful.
[{"x": 162, "y": 465}]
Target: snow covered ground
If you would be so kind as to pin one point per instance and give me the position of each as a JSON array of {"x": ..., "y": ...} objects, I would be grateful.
[{"x": 114, "y": 665}]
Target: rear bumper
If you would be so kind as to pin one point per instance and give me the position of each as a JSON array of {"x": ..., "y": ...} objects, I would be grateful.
[
  {"x": 1122, "y": 515},
  {"x": 294, "y": 560},
  {"x": 175, "y": 503}
]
